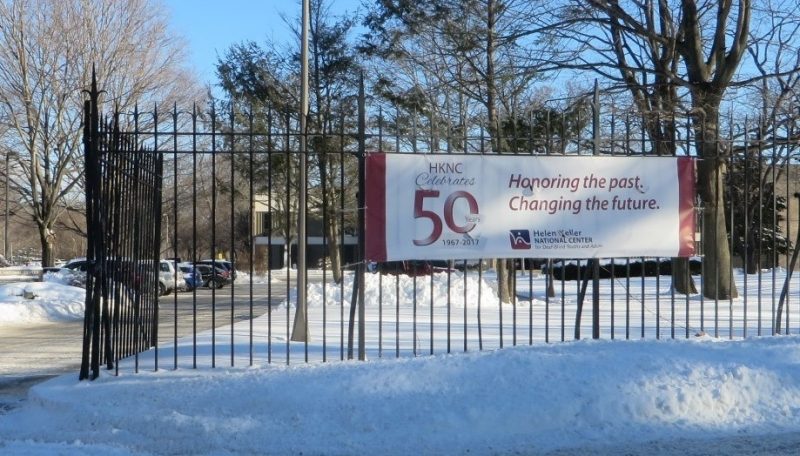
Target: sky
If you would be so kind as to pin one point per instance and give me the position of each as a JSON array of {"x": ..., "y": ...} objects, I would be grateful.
[
  {"x": 211, "y": 26},
  {"x": 696, "y": 396}
]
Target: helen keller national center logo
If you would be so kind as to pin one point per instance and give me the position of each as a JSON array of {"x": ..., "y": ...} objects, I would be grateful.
[{"x": 520, "y": 239}]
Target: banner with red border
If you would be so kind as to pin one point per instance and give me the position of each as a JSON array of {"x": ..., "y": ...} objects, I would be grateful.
[{"x": 426, "y": 206}]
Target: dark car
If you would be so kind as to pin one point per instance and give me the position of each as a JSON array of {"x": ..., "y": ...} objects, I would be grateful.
[
  {"x": 645, "y": 267},
  {"x": 74, "y": 265},
  {"x": 414, "y": 267},
  {"x": 224, "y": 264},
  {"x": 213, "y": 277}
]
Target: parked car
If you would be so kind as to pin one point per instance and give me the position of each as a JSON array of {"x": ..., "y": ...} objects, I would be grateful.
[
  {"x": 646, "y": 267},
  {"x": 192, "y": 278},
  {"x": 213, "y": 277},
  {"x": 224, "y": 264},
  {"x": 414, "y": 267},
  {"x": 76, "y": 265},
  {"x": 166, "y": 277},
  {"x": 126, "y": 272}
]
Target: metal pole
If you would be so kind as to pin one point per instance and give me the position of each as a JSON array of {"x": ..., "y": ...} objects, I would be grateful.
[
  {"x": 595, "y": 263},
  {"x": 785, "y": 289},
  {"x": 300, "y": 330},
  {"x": 362, "y": 352}
]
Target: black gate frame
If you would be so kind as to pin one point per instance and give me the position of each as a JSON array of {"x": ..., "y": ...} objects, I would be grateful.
[{"x": 123, "y": 220}]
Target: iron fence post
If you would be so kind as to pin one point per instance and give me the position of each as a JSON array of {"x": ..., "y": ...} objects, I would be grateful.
[
  {"x": 89, "y": 133},
  {"x": 595, "y": 262},
  {"x": 362, "y": 355},
  {"x": 789, "y": 269}
]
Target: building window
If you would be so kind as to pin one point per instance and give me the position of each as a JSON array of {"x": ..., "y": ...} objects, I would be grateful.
[{"x": 263, "y": 223}]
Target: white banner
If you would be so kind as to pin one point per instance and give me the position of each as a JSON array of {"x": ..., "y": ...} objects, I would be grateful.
[{"x": 514, "y": 206}]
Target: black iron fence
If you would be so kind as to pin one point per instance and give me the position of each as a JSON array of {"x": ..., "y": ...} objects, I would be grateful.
[
  {"x": 227, "y": 220},
  {"x": 123, "y": 216}
]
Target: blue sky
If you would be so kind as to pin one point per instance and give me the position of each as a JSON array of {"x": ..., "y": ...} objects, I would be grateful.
[{"x": 211, "y": 26}]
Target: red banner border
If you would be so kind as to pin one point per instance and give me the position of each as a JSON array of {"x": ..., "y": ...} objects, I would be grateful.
[
  {"x": 686, "y": 186},
  {"x": 375, "y": 235}
]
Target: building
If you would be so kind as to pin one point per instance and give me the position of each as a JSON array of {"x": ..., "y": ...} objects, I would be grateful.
[{"x": 270, "y": 226}]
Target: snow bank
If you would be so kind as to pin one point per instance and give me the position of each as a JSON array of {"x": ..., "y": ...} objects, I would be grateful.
[
  {"x": 40, "y": 302},
  {"x": 587, "y": 394},
  {"x": 66, "y": 277},
  {"x": 425, "y": 290}
]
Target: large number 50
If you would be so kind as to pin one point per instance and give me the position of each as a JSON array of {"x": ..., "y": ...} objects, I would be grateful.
[{"x": 436, "y": 232}]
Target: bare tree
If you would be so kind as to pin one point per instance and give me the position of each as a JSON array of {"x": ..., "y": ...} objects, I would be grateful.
[
  {"x": 692, "y": 47},
  {"x": 47, "y": 51},
  {"x": 454, "y": 53},
  {"x": 645, "y": 68}
]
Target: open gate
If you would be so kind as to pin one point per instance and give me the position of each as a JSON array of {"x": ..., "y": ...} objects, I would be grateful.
[{"x": 123, "y": 219}]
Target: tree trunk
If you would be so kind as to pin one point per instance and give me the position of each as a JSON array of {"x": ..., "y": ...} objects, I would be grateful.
[
  {"x": 753, "y": 260},
  {"x": 711, "y": 172},
  {"x": 491, "y": 109},
  {"x": 718, "y": 281},
  {"x": 505, "y": 271},
  {"x": 504, "y": 267},
  {"x": 682, "y": 281},
  {"x": 752, "y": 267},
  {"x": 662, "y": 134},
  {"x": 551, "y": 288},
  {"x": 46, "y": 239},
  {"x": 325, "y": 147},
  {"x": 334, "y": 252}
]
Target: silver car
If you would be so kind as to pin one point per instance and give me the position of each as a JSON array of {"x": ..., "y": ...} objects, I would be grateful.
[{"x": 166, "y": 277}]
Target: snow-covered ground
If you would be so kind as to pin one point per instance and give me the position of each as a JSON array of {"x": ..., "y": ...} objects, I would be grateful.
[
  {"x": 700, "y": 395},
  {"x": 706, "y": 395},
  {"x": 39, "y": 302},
  {"x": 406, "y": 316}
]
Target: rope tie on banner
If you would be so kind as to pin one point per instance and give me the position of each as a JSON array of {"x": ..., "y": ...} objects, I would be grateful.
[{"x": 357, "y": 263}]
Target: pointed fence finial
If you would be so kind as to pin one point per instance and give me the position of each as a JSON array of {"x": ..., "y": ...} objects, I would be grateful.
[{"x": 94, "y": 79}]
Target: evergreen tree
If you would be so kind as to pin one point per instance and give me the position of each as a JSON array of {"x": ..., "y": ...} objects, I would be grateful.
[
  {"x": 754, "y": 213},
  {"x": 266, "y": 80}
]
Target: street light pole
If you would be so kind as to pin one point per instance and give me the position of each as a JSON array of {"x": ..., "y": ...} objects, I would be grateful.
[{"x": 300, "y": 330}]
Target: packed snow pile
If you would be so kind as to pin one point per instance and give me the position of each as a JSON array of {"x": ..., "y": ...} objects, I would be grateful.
[
  {"x": 40, "y": 302},
  {"x": 439, "y": 289},
  {"x": 587, "y": 395},
  {"x": 66, "y": 276}
]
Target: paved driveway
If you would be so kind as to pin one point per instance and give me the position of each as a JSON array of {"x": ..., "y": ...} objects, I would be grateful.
[{"x": 33, "y": 353}]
